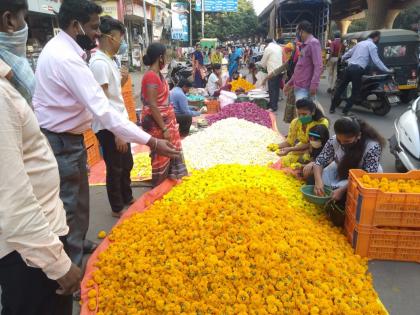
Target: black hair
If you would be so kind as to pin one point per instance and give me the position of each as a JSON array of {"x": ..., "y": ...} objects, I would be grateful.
[
  {"x": 80, "y": 10},
  {"x": 109, "y": 24},
  {"x": 324, "y": 136},
  {"x": 217, "y": 66},
  {"x": 251, "y": 65},
  {"x": 281, "y": 41},
  {"x": 374, "y": 34},
  {"x": 337, "y": 35},
  {"x": 268, "y": 40},
  {"x": 153, "y": 53},
  {"x": 307, "y": 103},
  {"x": 305, "y": 26},
  {"x": 13, "y": 6},
  {"x": 184, "y": 82},
  {"x": 352, "y": 126}
]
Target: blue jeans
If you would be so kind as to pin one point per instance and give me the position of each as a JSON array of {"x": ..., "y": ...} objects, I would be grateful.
[{"x": 70, "y": 153}]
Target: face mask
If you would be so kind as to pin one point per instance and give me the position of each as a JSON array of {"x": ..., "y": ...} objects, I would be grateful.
[
  {"x": 15, "y": 42},
  {"x": 123, "y": 48},
  {"x": 305, "y": 119},
  {"x": 84, "y": 41},
  {"x": 316, "y": 144}
]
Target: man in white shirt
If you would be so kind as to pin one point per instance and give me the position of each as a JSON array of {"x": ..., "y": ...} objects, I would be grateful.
[
  {"x": 214, "y": 83},
  {"x": 66, "y": 97},
  {"x": 35, "y": 271},
  {"x": 271, "y": 60},
  {"x": 116, "y": 152}
]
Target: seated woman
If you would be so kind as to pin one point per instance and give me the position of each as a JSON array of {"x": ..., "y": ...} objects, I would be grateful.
[
  {"x": 355, "y": 145},
  {"x": 297, "y": 142}
]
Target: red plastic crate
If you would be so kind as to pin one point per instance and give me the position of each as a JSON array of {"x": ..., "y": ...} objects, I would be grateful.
[
  {"x": 383, "y": 243},
  {"x": 370, "y": 206}
]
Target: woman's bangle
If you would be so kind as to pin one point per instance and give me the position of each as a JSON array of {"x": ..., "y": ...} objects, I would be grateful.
[
  {"x": 156, "y": 143},
  {"x": 165, "y": 129}
]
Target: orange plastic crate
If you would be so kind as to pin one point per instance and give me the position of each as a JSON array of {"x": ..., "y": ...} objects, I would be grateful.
[
  {"x": 370, "y": 206},
  {"x": 383, "y": 243},
  {"x": 93, "y": 154},
  {"x": 213, "y": 106},
  {"x": 89, "y": 138}
]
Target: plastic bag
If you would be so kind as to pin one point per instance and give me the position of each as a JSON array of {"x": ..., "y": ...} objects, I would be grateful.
[{"x": 227, "y": 98}]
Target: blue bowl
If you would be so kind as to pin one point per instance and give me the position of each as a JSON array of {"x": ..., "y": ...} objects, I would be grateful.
[{"x": 309, "y": 195}]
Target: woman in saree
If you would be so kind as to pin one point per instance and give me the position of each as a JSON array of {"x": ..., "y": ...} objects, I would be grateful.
[{"x": 158, "y": 116}]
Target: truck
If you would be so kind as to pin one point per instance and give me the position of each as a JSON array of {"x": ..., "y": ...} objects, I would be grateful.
[
  {"x": 210, "y": 43},
  {"x": 282, "y": 17}
]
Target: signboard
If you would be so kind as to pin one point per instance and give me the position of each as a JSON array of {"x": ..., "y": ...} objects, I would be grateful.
[
  {"x": 217, "y": 5},
  {"x": 134, "y": 8},
  {"x": 44, "y": 6},
  {"x": 109, "y": 7},
  {"x": 179, "y": 21}
]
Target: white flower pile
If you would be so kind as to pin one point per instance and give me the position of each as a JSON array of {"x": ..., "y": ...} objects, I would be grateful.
[{"x": 230, "y": 141}]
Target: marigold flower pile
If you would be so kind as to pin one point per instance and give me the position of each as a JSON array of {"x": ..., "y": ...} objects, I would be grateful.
[
  {"x": 248, "y": 111},
  {"x": 242, "y": 84},
  {"x": 142, "y": 167},
  {"x": 230, "y": 141},
  {"x": 231, "y": 240},
  {"x": 389, "y": 185}
]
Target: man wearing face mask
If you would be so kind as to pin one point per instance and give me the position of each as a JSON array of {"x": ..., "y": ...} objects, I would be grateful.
[
  {"x": 308, "y": 70},
  {"x": 35, "y": 271},
  {"x": 13, "y": 53},
  {"x": 117, "y": 153},
  {"x": 66, "y": 98}
]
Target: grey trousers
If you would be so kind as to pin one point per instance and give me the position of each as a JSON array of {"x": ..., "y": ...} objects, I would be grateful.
[{"x": 70, "y": 152}]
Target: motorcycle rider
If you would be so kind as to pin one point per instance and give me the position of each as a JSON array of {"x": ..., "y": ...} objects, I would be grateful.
[{"x": 358, "y": 58}]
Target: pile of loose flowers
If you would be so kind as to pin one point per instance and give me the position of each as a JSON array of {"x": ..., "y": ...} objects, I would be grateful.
[
  {"x": 230, "y": 141},
  {"x": 241, "y": 85},
  {"x": 232, "y": 239},
  {"x": 248, "y": 111}
]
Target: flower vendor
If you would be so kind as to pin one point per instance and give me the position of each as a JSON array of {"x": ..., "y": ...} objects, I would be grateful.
[
  {"x": 215, "y": 81},
  {"x": 158, "y": 116},
  {"x": 183, "y": 112},
  {"x": 355, "y": 145},
  {"x": 297, "y": 142}
]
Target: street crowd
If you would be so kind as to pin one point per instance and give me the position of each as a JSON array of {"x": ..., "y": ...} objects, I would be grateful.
[{"x": 44, "y": 190}]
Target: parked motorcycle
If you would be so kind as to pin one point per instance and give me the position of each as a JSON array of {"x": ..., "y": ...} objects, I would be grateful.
[
  {"x": 405, "y": 143},
  {"x": 178, "y": 71}
]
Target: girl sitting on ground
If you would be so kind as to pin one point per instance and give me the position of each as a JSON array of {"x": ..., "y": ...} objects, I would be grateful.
[{"x": 297, "y": 142}]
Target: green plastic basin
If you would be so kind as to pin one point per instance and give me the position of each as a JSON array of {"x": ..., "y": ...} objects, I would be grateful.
[{"x": 309, "y": 195}]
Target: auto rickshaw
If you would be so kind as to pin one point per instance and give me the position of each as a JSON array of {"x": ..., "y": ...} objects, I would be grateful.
[{"x": 399, "y": 50}]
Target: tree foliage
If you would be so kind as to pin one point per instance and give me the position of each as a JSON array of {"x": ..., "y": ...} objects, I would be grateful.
[{"x": 227, "y": 26}]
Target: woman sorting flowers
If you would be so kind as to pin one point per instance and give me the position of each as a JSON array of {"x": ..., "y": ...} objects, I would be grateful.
[
  {"x": 158, "y": 116},
  {"x": 297, "y": 143},
  {"x": 355, "y": 145}
]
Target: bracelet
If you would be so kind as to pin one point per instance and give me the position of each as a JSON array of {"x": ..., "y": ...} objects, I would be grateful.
[
  {"x": 165, "y": 129},
  {"x": 156, "y": 143}
]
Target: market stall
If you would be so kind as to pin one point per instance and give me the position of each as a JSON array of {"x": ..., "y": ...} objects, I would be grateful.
[{"x": 235, "y": 237}]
